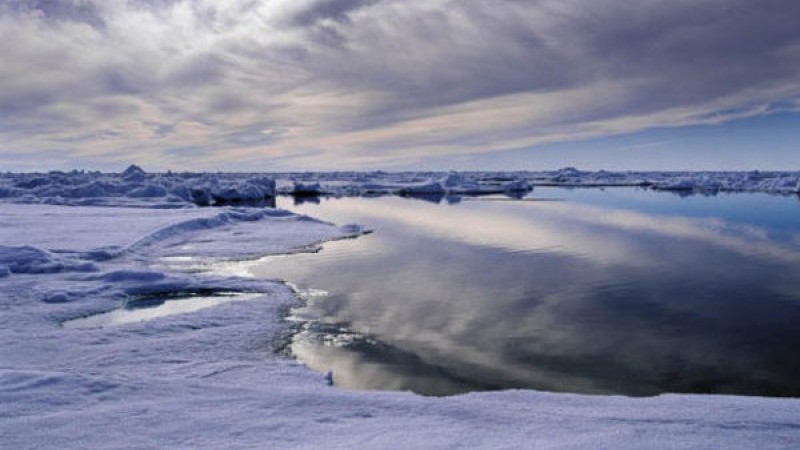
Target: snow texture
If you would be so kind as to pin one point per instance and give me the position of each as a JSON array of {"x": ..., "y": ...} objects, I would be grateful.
[{"x": 215, "y": 378}]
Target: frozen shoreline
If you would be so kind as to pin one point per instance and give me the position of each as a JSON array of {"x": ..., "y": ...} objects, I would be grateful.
[{"x": 212, "y": 379}]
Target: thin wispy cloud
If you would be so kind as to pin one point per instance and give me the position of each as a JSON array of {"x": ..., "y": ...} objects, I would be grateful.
[{"x": 317, "y": 84}]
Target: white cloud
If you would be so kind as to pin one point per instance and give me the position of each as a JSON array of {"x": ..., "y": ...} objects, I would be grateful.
[{"x": 371, "y": 83}]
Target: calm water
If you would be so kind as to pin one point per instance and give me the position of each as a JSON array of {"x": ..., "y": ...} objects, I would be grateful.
[
  {"x": 605, "y": 291},
  {"x": 143, "y": 310}
]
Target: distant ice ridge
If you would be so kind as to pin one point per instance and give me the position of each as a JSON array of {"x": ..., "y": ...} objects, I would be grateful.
[
  {"x": 753, "y": 181},
  {"x": 480, "y": 183},
  {"x": 399, "y": 183},
  {"x": 134, "y": 187},
  {"x": 517, "y": 182}
]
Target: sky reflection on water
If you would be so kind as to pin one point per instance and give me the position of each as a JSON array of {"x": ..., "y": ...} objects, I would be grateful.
[{"x": 617, "y": 291}]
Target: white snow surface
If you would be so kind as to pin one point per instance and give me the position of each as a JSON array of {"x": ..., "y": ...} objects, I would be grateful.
[{"x": 214, "y": 378}]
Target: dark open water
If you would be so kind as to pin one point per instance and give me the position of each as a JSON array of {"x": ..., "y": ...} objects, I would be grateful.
[{"x": 616, "y": 291}]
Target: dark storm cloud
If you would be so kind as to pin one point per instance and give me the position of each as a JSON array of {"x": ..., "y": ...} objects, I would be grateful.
[{"x": 367, "y": 82}]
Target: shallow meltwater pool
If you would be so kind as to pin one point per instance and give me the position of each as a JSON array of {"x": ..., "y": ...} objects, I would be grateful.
[
  {"x": 615, "y": 291},
  {"x": 155, "y": 307}
]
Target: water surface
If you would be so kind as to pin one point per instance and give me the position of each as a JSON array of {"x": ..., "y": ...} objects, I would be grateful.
[
  {"x": 616, "y": 291},
  {"x": 142, "y": 310}
]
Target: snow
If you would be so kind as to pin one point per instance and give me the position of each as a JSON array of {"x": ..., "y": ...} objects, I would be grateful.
[
  {"x": 481, "y": 183},
  {"x": 27, "y": 259},
  {"x": 136, "y": 188},
  {"x": 214, "y": 377}
]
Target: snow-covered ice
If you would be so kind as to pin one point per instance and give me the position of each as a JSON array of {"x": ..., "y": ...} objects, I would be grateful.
[
  {"x": 136, "y": 188},
  {"x": 215, "y": 377},
  {"x": 480, "y": 183}
]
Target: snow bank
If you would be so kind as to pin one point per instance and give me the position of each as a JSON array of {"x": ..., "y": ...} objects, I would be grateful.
[{"x": 58, "y": 263}]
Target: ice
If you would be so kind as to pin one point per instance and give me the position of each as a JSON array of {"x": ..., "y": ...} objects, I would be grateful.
[
  {"x": 148, "y": 190},
  {"x": 301, "y": 189},
  {"x": 136, "y": 188},
  {"x": 482, "y": 183},
  {"x": 215, "y": 378},
  {"x": 517, "y": 186},
  {"x": 27, "y": 259},
  {"x": 430, "y": 188}
]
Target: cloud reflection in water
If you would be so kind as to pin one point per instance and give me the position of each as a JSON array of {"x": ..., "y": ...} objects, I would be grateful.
[{"x": 554, "y": 296}]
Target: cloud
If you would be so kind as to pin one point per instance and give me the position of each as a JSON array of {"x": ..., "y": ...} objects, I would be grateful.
[{"x": 346, "y": 83}]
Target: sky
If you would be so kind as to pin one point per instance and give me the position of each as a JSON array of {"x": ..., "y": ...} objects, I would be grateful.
[{"x": 263, "y": 85}]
